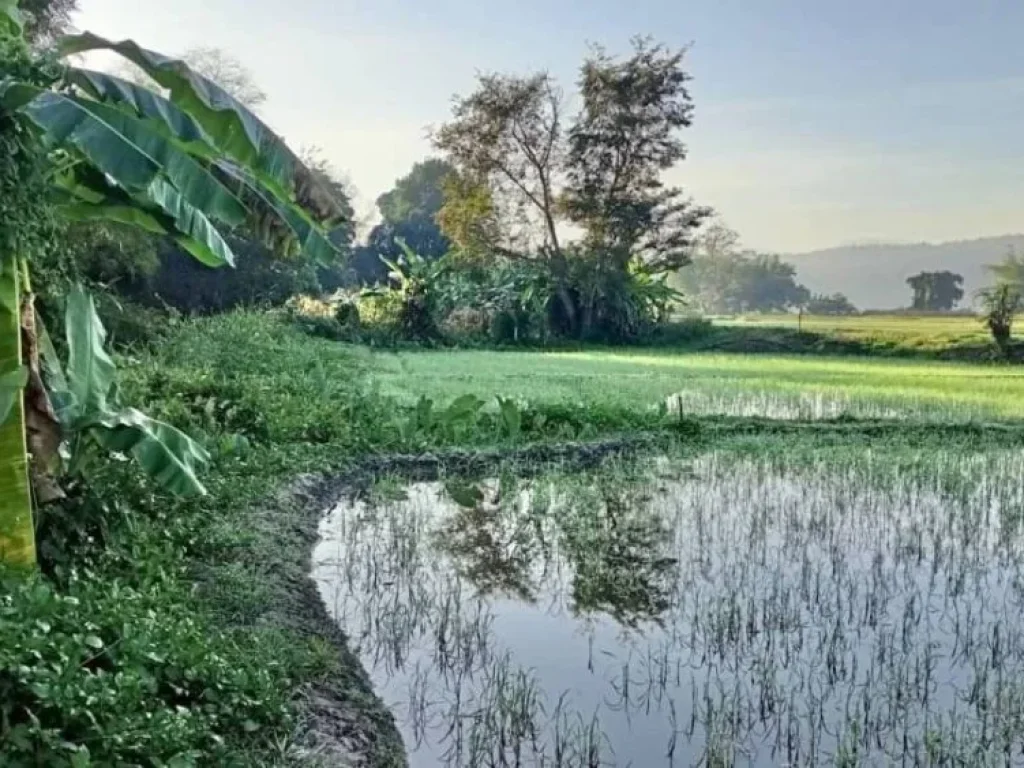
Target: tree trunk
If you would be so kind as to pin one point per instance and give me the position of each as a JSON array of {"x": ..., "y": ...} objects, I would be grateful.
[
  {"x": 569, "y": 307},
  {"x": 17, "y": 536}
]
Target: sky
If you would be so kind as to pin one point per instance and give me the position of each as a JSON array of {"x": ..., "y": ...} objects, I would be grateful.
[{"x": 818, "y": 122}]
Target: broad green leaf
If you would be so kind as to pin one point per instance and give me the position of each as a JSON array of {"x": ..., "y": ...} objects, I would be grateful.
[
  {"x": 195, "y": 232},
  {"x": 232, "y": 127},
  {"x": 165, "y": 453},
  {"x": 511, "y": 416},
  {"x": 11, "y": 17},
  {"x": 17, "y": 532},
  {"x": 462, "y": 410},
  {"x": 54, "y": 377},
  {"x": 85, "y": 398},
  {"x": 313, "y": 242},
  {"x": 90, "y": 371},
  {"x": 196, "y": 185},
  {"x": 122, "y": 214},
  {"x": 159, "y": 210},
  {"x": 165, "y": 118},
  {"x": 64, "y": 121},
  {"x": 130, "y": 153},
  {"x": 12, "y": 384},
  {"x": 145, "y": 104}
]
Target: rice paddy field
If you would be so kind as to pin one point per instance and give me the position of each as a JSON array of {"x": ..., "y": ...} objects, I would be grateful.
[
  {"x": 799, "y": 387},
  {"x": 937, "y": 326},
  {"x": 760, "y": 600}
]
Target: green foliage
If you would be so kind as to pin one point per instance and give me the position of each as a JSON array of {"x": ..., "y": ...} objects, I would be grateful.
[
  {"x": 418, "y": 194},
  {"x": 519, "y": 175},
  {"x": 511, "y": 416},
  {"x": 1001, "y": 303},
  {"x": 11, "y": 17},
  {"x": 626, "y": 135},
  {"x": 27, "y": 222},
  {"x": 936, "y": 291},
  {"x": 103, "y": 673},
  {"x": 262, "y": 278},
  {"x": 86, "y": 404},
  {"x": 727, "y": 281},
  {"x": 835, "y": 304}
]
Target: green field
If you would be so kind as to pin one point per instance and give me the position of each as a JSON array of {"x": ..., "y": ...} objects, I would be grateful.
[
  {"x": 921, "y": 331},
  {"x": 743, "y": 385}
]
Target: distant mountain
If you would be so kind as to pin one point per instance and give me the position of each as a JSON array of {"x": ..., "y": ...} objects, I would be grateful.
[{"x": 873, "y": 276}]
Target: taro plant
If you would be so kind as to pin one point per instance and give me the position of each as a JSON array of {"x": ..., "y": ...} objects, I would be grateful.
[{"x": 181, "y": 161}]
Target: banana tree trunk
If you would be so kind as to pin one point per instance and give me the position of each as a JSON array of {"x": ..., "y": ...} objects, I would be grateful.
[{"x": 17, "y": 536}]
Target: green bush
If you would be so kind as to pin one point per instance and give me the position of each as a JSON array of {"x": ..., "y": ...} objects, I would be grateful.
[
  {"x": 380, "y": 314},
  {"x": 129, "y": 324}
]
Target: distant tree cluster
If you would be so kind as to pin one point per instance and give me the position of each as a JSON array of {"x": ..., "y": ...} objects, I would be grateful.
[
  {"x": 724, "y": 279},
  {"x": 936, "y": 291},
  {"x": 832, "y": 304},
  {"x": 409, "y": 214}
]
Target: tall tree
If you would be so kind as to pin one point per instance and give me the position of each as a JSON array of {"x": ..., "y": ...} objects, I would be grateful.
[
  {"x": 180, "y": 165},
  {"x": 228, "y": 72},
  {"x": 410, "y": 212},
  {"x": 420, "y": 193},
  {"x": 508, "y": 135},
  {"x": 525, "y": 179},
  {"x": 723, "y": 279},
  {"x": 936, "y": 291},
  {"x": 625, "y": 137}
]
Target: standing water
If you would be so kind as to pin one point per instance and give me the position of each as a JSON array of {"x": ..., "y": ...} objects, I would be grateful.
[{"x": 719, "y": 612}]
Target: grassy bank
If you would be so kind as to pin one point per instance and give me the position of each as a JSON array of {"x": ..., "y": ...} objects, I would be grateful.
[{"x": 170, "y": 632}]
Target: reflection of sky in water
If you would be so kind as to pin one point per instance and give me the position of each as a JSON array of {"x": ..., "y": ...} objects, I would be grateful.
[{"x": 801, "y": 616}]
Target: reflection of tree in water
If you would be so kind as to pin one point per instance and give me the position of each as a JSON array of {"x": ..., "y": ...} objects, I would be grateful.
[
  {"x": 609, "y": 534},
  {"x": 493, "y": 545},
  {"x": 618, "y": 548}
]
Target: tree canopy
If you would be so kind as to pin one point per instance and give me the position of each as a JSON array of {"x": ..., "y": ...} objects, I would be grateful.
[
  {"x": 723, "y": 279},
  {"x": 936, "y": 291},
  {"x": 527, "y": 177}
]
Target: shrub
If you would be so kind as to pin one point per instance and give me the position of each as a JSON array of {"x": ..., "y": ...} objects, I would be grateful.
[
  {"x": 380, "y": 313},
  {"x": 466, "y": 323}
]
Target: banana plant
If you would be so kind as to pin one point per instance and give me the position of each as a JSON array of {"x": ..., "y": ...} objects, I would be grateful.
[
  {"x": 86, "y": 403},
  {"x": 184, "y": 162}
]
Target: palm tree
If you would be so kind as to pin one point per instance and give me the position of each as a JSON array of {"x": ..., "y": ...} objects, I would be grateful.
[{"x": 180, "y": 162}]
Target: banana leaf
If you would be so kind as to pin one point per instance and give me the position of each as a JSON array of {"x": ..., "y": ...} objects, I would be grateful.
[{"x": 85, "y": 399}]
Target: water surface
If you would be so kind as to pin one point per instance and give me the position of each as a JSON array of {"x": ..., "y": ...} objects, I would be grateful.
[{"x": 721, "y": 611}]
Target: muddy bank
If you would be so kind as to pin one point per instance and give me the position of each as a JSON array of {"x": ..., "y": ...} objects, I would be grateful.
[{"x": 343, "y": 722}]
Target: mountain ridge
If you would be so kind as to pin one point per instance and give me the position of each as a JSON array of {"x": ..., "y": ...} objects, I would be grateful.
[{"x": 873, "y": 275}]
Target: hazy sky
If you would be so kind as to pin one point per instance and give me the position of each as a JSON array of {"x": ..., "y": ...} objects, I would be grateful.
[{"x": 818, "y": 122}]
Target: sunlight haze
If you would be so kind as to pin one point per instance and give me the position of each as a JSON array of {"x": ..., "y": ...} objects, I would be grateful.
[{"x": 817, "y": 123}]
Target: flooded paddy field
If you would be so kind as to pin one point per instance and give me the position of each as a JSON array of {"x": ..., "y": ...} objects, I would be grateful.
[{"x": 855, "y": 608}]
